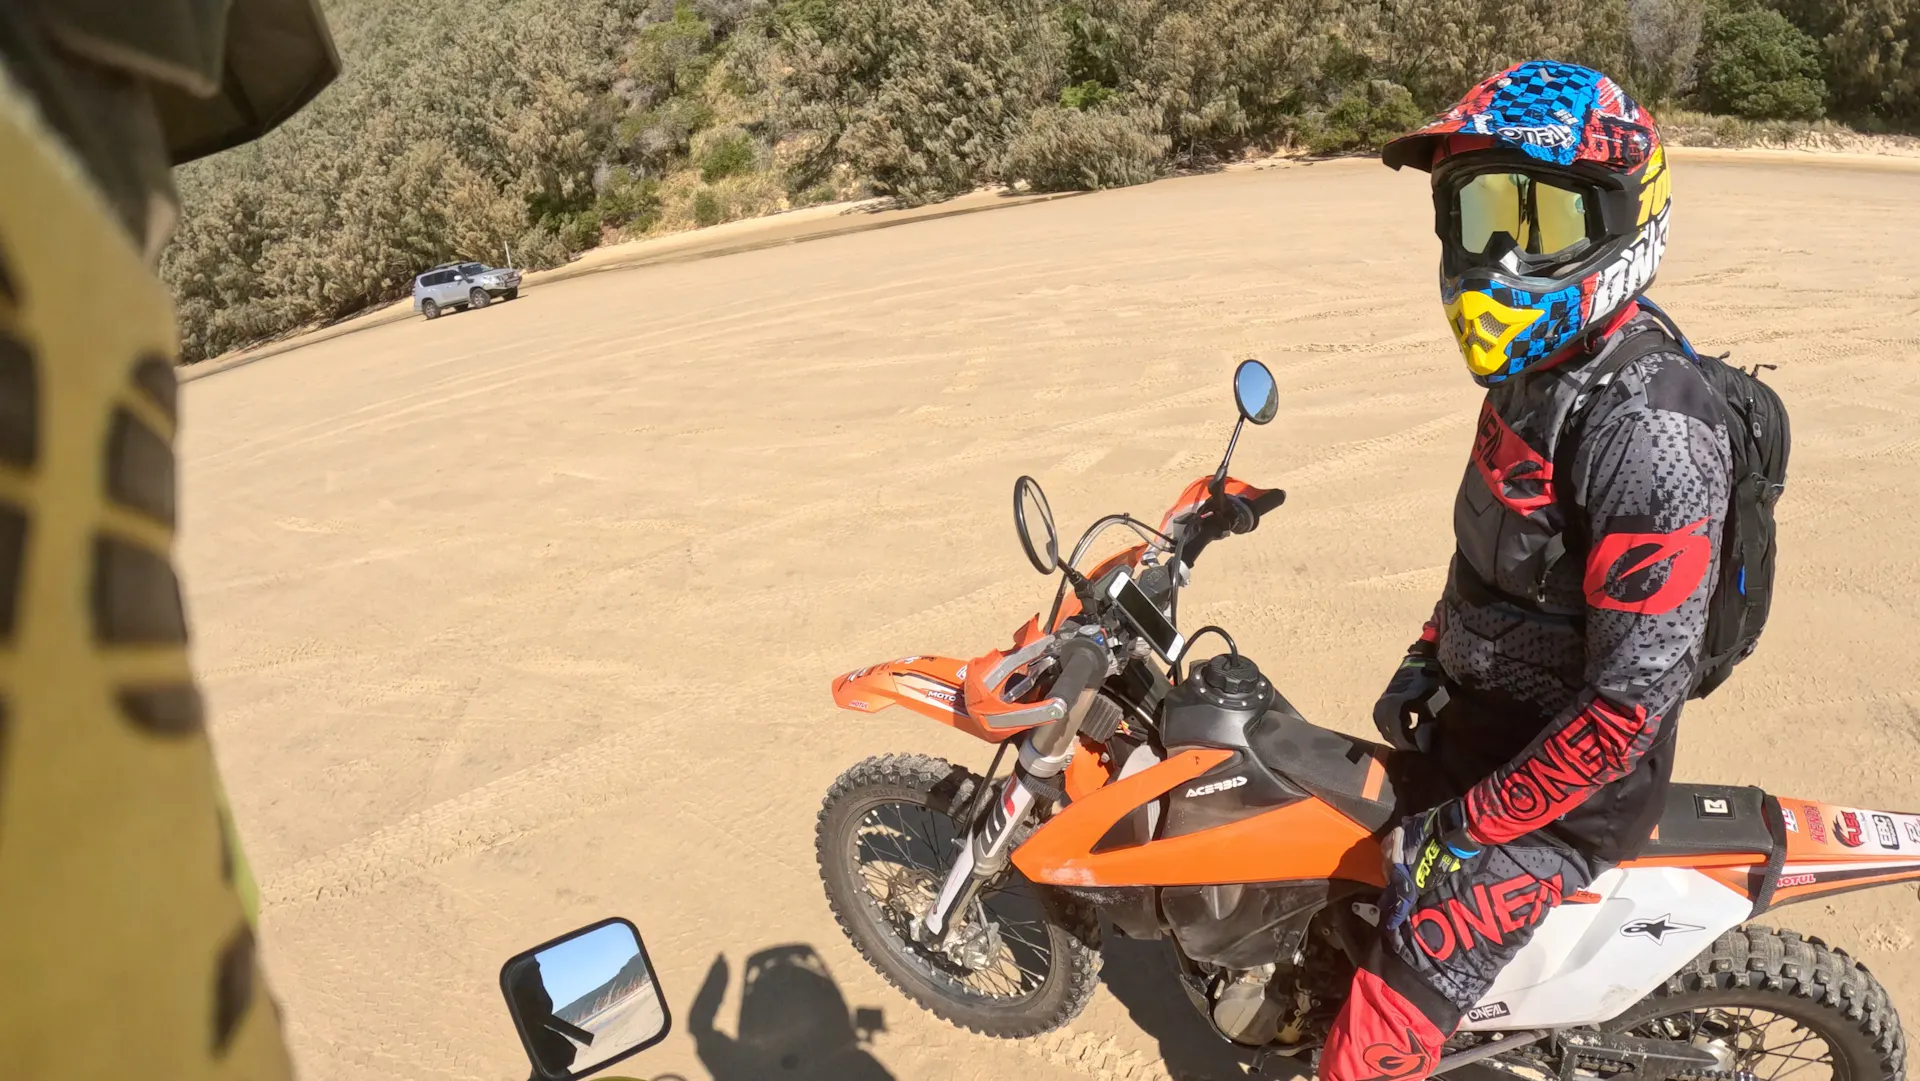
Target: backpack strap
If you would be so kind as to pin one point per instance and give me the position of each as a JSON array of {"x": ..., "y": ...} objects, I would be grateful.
[{"x": 1622, "y": 351}]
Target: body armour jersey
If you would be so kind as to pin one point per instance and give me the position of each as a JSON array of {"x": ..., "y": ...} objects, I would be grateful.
[{"x": 1573, "y": 618}]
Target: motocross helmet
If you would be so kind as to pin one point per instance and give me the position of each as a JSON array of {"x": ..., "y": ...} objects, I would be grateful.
[{"x": 1550, "y": 195}]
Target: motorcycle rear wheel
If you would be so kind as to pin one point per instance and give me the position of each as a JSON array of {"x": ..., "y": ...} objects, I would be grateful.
[
  {"x": 887, "y": 833},
  {"x": 1825, "y": 1014}
]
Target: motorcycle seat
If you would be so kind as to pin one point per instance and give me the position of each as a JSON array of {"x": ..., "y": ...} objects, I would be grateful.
[
  {"x": 1711, "y": 820},
  {"x": 1347, "y": 773}
]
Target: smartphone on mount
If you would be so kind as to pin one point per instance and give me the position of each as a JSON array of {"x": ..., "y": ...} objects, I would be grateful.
[{"x": 1146, "y": 617}]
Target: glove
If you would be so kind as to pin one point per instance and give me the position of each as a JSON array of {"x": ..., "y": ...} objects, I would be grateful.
[
  {"x": 1416, "y": 691},
  {"x": 1422, "y": 852}
]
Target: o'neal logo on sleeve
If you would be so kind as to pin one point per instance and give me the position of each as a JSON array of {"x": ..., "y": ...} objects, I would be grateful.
[{"x": 1647, "y": 573}]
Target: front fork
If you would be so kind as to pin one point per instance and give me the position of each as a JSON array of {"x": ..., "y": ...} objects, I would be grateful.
[{"x": 1043, "y": 756}]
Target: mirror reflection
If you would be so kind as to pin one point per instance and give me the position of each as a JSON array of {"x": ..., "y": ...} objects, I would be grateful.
[
  {"x": 585, "y": 1000},
  {"x": 1255, "y": 392}
]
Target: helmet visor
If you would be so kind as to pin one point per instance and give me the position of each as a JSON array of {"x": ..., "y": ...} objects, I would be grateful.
[{"x": 1542, "y": 219}]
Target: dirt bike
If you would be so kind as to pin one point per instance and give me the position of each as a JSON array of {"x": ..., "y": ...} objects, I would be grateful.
[{"x": 1191, "y": 801}]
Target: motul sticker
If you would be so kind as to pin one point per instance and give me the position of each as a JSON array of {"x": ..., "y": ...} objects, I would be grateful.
[
  {"x": 1816, "y": 826},
  {"x": 1792, "y": 823},
  {"x": 1883, "y": 829},
  {"x": 1488, "y": 1011},
  {"x": 1796, "y": 880},
  {"x": 1846, "y": 829}
]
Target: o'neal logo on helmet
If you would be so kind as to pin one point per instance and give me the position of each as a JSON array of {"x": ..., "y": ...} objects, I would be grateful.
[{"x": 1631, "y": 270}]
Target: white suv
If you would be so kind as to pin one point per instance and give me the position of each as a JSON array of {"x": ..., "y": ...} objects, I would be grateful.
[{"x": 462, "y": 285}]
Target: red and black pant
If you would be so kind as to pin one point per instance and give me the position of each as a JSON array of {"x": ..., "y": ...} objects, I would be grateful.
[{"x": 1419, "y": 979}]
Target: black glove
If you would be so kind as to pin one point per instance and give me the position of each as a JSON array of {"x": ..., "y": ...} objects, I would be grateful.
[
  {"x": 1415, "y": 693},
  {"x": 1422, "y": 852}
]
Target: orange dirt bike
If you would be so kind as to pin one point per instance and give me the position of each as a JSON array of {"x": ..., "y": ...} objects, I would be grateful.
[{"x": 1190, "y": 801}]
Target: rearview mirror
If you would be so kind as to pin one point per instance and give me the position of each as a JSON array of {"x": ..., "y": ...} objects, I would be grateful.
[
  {"x": 1254, "y": 392},
  {"x": 1030, "y": 510},
  {"x": 584, "y": 1000}
]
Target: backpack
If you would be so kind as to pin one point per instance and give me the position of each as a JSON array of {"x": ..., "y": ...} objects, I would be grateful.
[{"x": 1758, "y": 436}]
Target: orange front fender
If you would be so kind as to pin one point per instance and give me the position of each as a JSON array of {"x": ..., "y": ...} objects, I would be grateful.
[{"x": 932, "y": 686}]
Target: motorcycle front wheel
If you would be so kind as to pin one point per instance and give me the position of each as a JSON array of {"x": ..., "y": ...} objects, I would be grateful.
[{"x": 1026, "y": 958}]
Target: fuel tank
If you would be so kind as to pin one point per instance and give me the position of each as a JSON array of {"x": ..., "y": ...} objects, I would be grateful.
[{"x": 1213, "y": 708}]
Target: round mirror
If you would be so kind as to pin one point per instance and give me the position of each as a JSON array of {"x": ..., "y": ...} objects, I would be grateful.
[
  {"x": 1030, "y": 513},
  {"x": 1254, "y": 391}
]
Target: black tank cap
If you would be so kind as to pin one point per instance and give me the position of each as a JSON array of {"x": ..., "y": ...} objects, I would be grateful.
[{"x": 1231, "y": 675}]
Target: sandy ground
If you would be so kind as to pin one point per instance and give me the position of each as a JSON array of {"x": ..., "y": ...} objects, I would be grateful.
[
  {"x": 626, "y": 1024},
  {"x": 526, "y": 617}
]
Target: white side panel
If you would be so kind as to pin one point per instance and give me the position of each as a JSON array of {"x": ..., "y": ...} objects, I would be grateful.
[{"x": 1588, "y": 962}]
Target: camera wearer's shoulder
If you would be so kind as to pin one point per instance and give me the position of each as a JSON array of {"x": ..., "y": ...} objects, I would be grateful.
[{"x": 1663, "y": 383}]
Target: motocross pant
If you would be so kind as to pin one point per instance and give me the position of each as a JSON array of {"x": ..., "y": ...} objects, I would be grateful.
[{"x": 1419, "y": 980}]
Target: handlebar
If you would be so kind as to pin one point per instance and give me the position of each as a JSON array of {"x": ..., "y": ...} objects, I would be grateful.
[{"x": 1228, "y": 512}]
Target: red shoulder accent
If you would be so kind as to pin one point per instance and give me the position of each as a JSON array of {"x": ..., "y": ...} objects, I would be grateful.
[
  {"x": 1505, "y": 461},
  {"x": 1620, "y": 565}
]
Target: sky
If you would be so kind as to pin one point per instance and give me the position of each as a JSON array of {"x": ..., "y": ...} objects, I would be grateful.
[{"x": 579, "y": 965}]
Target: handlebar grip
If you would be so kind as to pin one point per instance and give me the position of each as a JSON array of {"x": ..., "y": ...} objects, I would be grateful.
[{"x": 1083, "y": 667}]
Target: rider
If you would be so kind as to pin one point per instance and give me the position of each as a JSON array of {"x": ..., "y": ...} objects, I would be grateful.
[
  {"x": 1586, "y": 531},
  {"x": 125, "y": 927}
]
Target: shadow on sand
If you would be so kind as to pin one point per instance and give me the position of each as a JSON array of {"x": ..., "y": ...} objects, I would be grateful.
[{"x": 794, "y": 1023}]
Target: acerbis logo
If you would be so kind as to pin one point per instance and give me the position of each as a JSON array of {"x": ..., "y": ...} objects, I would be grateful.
[{"x": 1217, "y": 786}]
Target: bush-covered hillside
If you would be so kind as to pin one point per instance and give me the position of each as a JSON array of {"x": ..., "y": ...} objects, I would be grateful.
[{"x": 465, "y": 126}]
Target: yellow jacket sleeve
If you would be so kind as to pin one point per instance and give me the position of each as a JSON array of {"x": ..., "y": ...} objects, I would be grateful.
[{"x": 126, "y": 948}]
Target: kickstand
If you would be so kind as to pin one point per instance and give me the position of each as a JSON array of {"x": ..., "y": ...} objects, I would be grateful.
[{"x": 1303, "y": 1060}]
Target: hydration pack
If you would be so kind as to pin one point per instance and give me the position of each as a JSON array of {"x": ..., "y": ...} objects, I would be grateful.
[{"x": 1758, "y": 436}]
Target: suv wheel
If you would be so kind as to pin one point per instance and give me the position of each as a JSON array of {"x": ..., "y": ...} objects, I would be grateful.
[
  {"x": 511, "y": 294},
  {"x": 429, "y": 309},
  {"x": 478, "y": 298}
]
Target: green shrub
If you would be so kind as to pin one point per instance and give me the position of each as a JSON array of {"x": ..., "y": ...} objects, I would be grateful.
[
  {"x": 728, "y": 155},
  {"x": 1759, "y": 66},
  {"x": 1066, "y": 149},
  {"x": 708, "y": 209},
  {"x": 1363, "y": 118},
  {"x": 627, "y": 202},
  {"x": 1087, "y": 95}
]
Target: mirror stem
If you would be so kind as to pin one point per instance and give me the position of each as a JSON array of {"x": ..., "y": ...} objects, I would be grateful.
[{"x": 1220, "y": 475}]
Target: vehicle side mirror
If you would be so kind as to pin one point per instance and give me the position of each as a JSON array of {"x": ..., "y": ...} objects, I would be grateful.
[
  {"x": 1254, "y": 392},
  {"x": 585, "y": 1000},
  {"x": 1030, "y": 510}
]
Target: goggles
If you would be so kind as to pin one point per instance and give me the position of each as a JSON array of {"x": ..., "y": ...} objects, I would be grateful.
[{"x": 1525, "y": 220}]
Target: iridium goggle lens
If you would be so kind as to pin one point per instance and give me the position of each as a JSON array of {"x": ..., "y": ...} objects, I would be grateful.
[{"x": 1540, "y": 218}]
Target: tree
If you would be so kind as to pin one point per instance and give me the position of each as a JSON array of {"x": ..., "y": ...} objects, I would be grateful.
[
  {"x": 1873, "y": 63},
  {"x": 1664, "y": 39},
  {"x": 1760, "y": 66}
]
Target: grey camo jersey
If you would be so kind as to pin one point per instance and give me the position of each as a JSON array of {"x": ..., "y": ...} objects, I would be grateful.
[{"x": 1575, "y": 610}]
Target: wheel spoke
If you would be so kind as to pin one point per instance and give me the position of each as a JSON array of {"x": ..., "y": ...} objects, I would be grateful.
[{"x": 902, "y": 852}]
